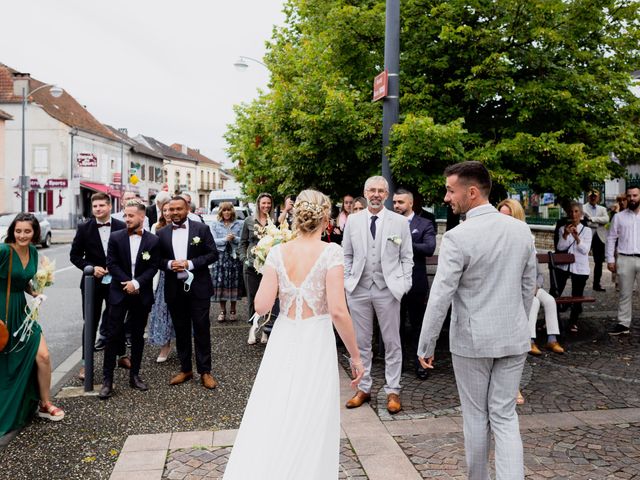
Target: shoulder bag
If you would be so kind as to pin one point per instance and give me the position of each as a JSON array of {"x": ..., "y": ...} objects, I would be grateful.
[{"x": 4, "y": 331}]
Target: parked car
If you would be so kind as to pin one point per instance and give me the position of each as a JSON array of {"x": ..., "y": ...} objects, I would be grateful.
[{"x": 45, "y": 227}]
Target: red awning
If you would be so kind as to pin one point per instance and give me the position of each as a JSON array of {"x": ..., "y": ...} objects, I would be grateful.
[{"x": 101, "y": 187}]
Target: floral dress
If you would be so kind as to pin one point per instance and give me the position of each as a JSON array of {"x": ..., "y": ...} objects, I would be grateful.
[{"x": 226, "y": 273}]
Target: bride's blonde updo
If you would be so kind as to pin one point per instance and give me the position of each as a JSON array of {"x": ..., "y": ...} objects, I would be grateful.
[{"x": 310, "y": 211}]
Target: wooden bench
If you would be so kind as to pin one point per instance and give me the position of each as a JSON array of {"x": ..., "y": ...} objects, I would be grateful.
[{"x": 552, "y": 259}]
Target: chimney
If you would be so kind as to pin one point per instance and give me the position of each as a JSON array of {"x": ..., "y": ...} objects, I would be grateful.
[
  {"x": 184, "y": 149},
  {"x": 20, "y": 81}
]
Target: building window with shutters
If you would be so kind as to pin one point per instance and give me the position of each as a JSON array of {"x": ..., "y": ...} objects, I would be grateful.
[
  {"x": 188, "y": 181},
  {"x": 40, "y": 159},
  {"x": 152, "y": 177}
]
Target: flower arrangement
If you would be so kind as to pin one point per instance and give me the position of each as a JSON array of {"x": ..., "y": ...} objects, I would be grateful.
[
  {"x": 269, "y": 236},
  {"x": 43, "y": 278}
]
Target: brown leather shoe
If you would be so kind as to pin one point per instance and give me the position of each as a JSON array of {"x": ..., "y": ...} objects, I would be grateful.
[
  {"x": 124, "y": 362},
  {"x": 358, "y": 399},
  {"x": 181, "y": 378},
  {"x": 555, "y": 347},
  {"x": 393, "y": 403},
  {"x": 208, "y": 381},
  {"x": 535, "y": 350}
]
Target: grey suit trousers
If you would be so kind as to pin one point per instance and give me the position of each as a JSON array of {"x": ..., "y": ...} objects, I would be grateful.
[
  {"x": 362, "y": 304},
  {"x": 488, "y": 388}
]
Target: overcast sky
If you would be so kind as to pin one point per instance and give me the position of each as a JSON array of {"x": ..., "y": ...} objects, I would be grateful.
[{"x": 161, "y": 68}]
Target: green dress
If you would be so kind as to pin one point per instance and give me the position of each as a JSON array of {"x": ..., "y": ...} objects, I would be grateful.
[{"x": 18, "y": 380}]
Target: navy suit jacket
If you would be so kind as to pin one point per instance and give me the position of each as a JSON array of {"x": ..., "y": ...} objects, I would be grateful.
[
  {"x": 201, "y": 254},
  {"x": 423, "y": 239},
  {"x": 119, "y": 265},
  {"x": 86, "y": 248}
]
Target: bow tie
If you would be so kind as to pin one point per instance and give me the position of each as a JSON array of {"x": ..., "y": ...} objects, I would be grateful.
[
  {"x": 108, "y": 224},
  {"x": 135, "y": 232},
  {"x": 175, "y": 227}
]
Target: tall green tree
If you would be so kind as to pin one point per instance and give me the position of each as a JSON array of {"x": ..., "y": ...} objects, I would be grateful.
[{"x": 537, "y": 90}]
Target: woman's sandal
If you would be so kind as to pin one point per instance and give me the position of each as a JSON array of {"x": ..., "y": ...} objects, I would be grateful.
[
  {"x": 519, "y": 399},
  {"x": 222, "y": 316},
  {"x": 50, "y": 412},
  {"x": 232, "y": 316}
]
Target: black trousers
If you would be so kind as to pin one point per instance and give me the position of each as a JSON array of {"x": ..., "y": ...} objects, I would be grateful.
[
  {"x": 252, "y": 283},
  {"x": 412, "y": 309},
  {"x": 191, "y": 314},
  {"x": 597, "y": 248},
  {"x": 136, "y": 315},
  {"x": 578, "y": 283},
  {"x": 101, "y": 295}
]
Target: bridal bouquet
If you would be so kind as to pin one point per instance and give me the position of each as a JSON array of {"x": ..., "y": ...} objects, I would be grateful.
[
  {"x": 269, "y": 236},
  {"x": 43, "y": 278}
]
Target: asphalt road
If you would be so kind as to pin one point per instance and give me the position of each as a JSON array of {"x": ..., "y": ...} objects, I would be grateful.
[{"x": 61, "y": 314}]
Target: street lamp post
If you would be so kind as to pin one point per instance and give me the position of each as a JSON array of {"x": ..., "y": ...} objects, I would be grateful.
[
  {"x": 241, "y": 63},
  {"x": 55, "y": 92}
]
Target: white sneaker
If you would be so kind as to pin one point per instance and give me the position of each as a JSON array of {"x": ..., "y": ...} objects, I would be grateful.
[
  {"x": 252, "y": 336},
  {"x": 264, "y": 338}
]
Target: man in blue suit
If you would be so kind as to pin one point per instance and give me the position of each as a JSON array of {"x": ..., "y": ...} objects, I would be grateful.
[
  {"x": 423, "y": 239},
  {"x": 133, "y": 258}
]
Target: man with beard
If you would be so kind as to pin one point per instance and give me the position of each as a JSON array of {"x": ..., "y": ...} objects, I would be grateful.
[{"x": 625, "y": 229}]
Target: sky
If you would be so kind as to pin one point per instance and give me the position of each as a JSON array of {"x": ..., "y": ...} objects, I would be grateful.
[{"x": 161, "y": 68}]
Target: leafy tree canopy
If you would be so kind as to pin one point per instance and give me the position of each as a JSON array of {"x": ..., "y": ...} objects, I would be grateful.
[{"x": 537, "y": 90}]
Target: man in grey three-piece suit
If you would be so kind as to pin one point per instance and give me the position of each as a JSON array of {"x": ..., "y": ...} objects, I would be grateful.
[
  {"x": 378, "y": 262},
  {"x": 487, "y": 270}
]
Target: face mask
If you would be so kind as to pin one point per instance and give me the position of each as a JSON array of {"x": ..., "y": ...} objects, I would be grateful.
[
  {"x": 106, "y": 280},
  {"x": 187, "y": 282}
]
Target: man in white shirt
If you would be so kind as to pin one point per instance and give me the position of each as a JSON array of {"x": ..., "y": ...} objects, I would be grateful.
[
  {"x": 625, "y": 229},
  {"x": 597, "y": 217}
]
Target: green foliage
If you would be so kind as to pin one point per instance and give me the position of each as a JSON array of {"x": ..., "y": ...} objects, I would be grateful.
[{"x": 535, "y": 89}]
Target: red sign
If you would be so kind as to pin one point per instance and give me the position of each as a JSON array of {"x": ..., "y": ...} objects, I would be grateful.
[
  {"x": 56, "y": 183},
  {"x": 117, "y": 178},
  {"x": 380, "y": 86},
  {"x": 34, "y": 183},
  {"x": 87, "y": 160}
]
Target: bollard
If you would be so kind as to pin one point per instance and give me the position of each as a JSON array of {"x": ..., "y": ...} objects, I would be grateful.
[{"x": 89, "y": 299}]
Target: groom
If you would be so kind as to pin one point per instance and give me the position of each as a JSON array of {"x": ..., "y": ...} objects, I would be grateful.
[
  {"x": 378, "y": 263},
  {"x": 487, "y": 271}
]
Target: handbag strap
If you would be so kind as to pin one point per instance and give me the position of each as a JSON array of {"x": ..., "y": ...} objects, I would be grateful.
[{"x": 6, "y": 314}]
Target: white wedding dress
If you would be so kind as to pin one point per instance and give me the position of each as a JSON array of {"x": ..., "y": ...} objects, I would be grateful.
[{"x": 291, "y": 426}]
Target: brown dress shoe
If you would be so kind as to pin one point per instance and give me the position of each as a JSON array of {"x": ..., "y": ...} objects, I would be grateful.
[
  {"x": 124, "y": 362},
  {"x": 358, "y": 399},
  {"x": 208, "y": 381},
  {"x": 535, "y": 350},
  {"x": 181, "y": 378},
  {"x": 555, "y": 347},
  {"x": 393, "y": 403}
]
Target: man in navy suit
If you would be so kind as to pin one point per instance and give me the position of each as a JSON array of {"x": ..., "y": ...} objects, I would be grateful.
[
  {"x": 423, "y": 238},
  {"x": 187, "y": 249},
  {"x": 132, "y": 258},
  {"x": 89, "y": 247}
]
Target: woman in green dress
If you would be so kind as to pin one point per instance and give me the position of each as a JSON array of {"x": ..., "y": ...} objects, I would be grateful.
[{"x": 25, "y": 367}]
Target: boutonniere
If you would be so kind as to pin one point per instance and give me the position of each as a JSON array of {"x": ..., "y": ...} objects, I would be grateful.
[
  {"x": 195, "y": 241},
  {"x": 146, "y": 255},
  {"x": 395, "y": 239}
]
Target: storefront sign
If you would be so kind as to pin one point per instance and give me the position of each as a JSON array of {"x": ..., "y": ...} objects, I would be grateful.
[
  {"x": 87, "y": 160},
  {"x": 34, "y": 183},
  {"x": 56, "y": 183}
]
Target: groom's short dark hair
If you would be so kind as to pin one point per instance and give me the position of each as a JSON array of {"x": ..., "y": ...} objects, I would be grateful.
[{"x": 471, "y": 172}]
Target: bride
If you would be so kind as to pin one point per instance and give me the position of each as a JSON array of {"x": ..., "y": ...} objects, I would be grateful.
[{"x": 291, "y": 426}]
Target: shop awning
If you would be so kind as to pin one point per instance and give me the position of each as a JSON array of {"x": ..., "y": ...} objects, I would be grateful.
[{"x": 101, "y": 187}]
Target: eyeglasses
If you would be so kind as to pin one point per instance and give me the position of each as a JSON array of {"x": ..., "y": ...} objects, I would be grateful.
[{"x": 377, "y": 190}]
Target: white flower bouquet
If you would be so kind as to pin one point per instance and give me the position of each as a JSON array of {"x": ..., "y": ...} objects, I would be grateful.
[
  {"x": 269, "y": 236},
  {"x": 43, "y": 278}
]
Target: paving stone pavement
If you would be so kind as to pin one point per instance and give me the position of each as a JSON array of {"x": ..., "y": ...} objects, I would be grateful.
[{"x": 209, "y": 463}]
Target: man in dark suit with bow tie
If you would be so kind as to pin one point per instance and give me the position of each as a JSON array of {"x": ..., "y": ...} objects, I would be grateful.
[
  {"x": 133, "y": 258},
  {"x": 187, "y": 249},
  {"x": 414, "y": 303},
  {"x": 89, "y": 247}
]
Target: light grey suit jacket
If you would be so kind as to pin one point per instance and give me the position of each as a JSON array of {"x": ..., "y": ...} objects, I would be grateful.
[
  {"x": 487, "y": 269},
  {"x": 396, "y": 260}
]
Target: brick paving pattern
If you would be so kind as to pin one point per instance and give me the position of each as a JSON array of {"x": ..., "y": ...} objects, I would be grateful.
[
  {"x": 209, "y": 463},
  {"x": 583, "y": 452}
]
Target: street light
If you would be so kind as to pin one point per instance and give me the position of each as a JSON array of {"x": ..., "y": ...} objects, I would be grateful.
[
  {"x": 241, "y": 64},
  {"x": 55, "y": 92}
]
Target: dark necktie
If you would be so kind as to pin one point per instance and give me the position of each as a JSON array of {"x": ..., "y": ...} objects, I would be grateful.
[
  {"x": 108, "y": 224},
  {"x": 373, "y": 226},
  {"x": 135, "y": 232},
  {"x": 175, "y": 227}
]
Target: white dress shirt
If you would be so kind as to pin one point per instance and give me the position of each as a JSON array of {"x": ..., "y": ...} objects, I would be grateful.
[
  {"x": 625, "y": 228},
  {"x": 104, "y": 234},
  {"x": 380, "y": 216},
  {"x": 180, "y": 243},
  {"x": 134, "y": 246},
  {"x": 580, "y": 250}
]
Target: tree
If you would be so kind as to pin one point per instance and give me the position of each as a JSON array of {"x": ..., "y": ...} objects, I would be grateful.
[{"x": 536, "y": 90}]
